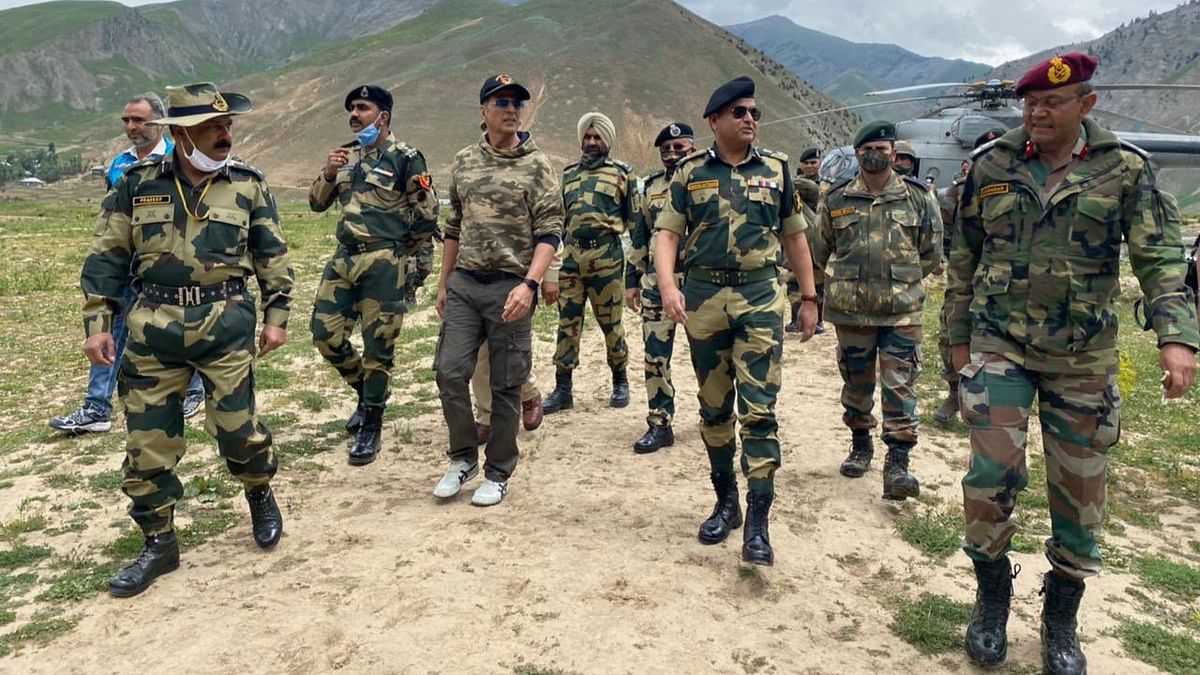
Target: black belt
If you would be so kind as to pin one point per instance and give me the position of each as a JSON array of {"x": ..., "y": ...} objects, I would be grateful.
[
  {"x": 355, "y": 249},
  {"x": 596, "y": 242},
  {"x": 732, "y": 277},
  {"x": 193, "y": 296},
  {"x": 488, "y": 277}
]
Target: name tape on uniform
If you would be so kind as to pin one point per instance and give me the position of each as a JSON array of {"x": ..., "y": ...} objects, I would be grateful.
[
  {"x": 151, "y": 200},
  {"x": 844, "y": 211},
  {"x": 993, "y": 190},
  {"x": 704, "y": 185}
]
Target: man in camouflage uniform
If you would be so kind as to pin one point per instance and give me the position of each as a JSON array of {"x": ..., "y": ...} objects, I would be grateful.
[
  {"x": 505, "y": 224},
  {"x": 674, "y": 142},
  {"x": 809, "y": 190},
  {"x": 906, "y": 162},
  {"x": 1033, "y": 275},
  {"x": 879, "y": 235},
  {"x": 600, "y": 197},
  {"x": 198, "y": 223},
  {"x": 389, "y": 212},
  {"x": 732, "y": 303},
  {"x": 418, "y": 267},
  {"x": 949, "y": 407}
]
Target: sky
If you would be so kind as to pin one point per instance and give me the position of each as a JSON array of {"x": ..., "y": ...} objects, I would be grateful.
[{"x": 987, "y": 31}]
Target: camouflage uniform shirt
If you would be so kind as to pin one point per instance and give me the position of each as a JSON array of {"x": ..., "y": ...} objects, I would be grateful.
[
  {"x": 875, "y": 251},
  {"x": 502, "y": 203},
  {"x": 1033, "y": 276},
  {"x": 143, "y": 217},
  {"x": 731, "y": 217},
  {"x": 642, "y": 235},
  {"x": 386, "y": 196},
  {"x": 600, "y": 201}
]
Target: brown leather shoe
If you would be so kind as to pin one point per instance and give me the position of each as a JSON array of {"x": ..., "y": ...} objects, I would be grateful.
[
  {"x": 482, "y": 433},
  {"x": 531, "y": 413}
]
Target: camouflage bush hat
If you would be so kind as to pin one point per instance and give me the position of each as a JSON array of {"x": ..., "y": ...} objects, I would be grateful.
[{"x": 192, "y": 104}]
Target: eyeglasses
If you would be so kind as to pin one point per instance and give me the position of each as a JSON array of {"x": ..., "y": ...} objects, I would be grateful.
[
  {"x": 502, "y": 103},
  {"x": 1048, "y": 103},
  {"x": 739, "y": 111}
]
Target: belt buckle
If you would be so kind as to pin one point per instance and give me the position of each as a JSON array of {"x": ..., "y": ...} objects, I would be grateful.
[
  {"x": 189, "y": 296},
  {"x": 736, "y": 277}
]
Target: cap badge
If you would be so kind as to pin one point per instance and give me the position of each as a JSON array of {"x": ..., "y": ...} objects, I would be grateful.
[
  {"x": 219, "y": 103},
  {"x": 1059, "y": 71},
  {"x": 504, "y": 79},
  {"x": 364, "y": 92},
  {"x": 674, "y": 130}
]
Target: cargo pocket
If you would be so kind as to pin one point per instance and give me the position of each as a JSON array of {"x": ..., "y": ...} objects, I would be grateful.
[
  {"x": 973, "y": 394},
  {"x": 841, "y": 287},
  {"x": 518, "y": 358},
  {"x": 1108, "y": 419},
  {"x": 908, "y": 294},
  {"x": 991, "y": 285}
]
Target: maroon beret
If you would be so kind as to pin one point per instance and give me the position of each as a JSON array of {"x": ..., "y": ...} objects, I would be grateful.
[{"x": 1058, "y": 71}]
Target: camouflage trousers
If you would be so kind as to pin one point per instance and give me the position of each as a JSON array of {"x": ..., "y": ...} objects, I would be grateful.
[
  {"x": 418, "y": 267},
  {"x": 949, "y": 374},
  {"x": 1080, "y": 419},
  {"x": 658, "y": 335},
  {"x": 898, "y": 352},
  {"x": 481, "y": 386},
  {"x": 595, "y": 276},
  {"x": 366, "y": 287},
  {"x": 166, "y": 346},
  {"x": 736, "y": 339}
]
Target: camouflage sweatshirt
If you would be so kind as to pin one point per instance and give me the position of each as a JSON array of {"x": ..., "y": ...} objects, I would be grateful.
[
  {"x": 387, "y": 195},
  {"x": 238, "y": 235},
  {"x": 875, "y": 250},
  {"x": 502, "y": 203},
  {"x": 600, "y": 201},
  {"x": 1034, "y": 278}
]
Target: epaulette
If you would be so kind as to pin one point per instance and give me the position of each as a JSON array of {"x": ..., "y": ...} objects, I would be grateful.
[
  {"x": 1126, "y": 145},
  {"x": 839, "y": 185},
  {"x": 143, "y": 163},
  {"x": 237, "y": 163},
  {"x": 651, "y": 176},
  {"x": 773, "y": 154},
  {"x": 915, "y": 182},
  {"x": 981, "y": 150},
  {"x": 570, "y": 166},
  {"x": 700, "y": 152},
  {"x": 622, "y": 165},
  {"x": 406, "y": 150}
]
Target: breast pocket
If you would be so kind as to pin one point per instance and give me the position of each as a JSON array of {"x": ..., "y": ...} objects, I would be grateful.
[
  {"x": 224, "y": 238},
  {"x": 903, "y": 231},
  {"x": 1001, "y": 223},
  {"x": 1097, "y": 232},
  {"x": 762, "y": 206},
  {"x": 846, "y": 232},
  {"x": 381, "y": 191},
  {"x": 704, "y": 205},
  {"x": 606, "y": 195},
  {"x": 153, "y": 229}
]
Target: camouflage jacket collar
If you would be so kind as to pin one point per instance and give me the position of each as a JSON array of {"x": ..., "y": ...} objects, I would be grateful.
[
  {"x": 388, "y": 143},
  {"x": 1095, "y": 137},
  {"x": 1099, "y": 156},
  {"x": 894, "y": 189},
  {"x": 752, "y": 154},
  {"x": 166, "y": 167},
  {"x": 525, "y": 146}
]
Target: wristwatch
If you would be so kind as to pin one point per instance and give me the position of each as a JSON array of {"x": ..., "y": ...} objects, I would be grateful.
[
  {"x": 533, "y": 285},
  {"x": 810, "y": 298}
]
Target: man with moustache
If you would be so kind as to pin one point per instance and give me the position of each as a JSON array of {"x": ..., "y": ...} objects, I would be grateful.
[
  {"x": 389, "y": 212},
  {"x": 732, "y": 303}
]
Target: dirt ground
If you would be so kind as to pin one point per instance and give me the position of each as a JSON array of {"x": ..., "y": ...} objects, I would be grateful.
[{"x": 591, "y": 565}]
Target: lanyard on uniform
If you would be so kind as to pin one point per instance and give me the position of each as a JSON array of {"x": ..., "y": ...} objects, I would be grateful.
[{"x": 183, "y": 199}]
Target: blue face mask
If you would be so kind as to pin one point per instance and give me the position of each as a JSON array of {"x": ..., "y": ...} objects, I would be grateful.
[{"x": 368, "y": 136}]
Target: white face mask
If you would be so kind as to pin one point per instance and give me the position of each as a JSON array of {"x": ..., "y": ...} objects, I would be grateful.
[{"x": 201, "y": 161}]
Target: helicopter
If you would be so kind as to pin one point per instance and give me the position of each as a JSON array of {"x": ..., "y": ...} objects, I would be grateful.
[{"x": 943, "y": 138}]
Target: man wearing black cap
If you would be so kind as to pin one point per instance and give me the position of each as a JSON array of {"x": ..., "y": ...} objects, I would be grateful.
[
  {"x": 735, "y": 206},
  {"x": 674, "y": 142},
  {"x": 389, "y": 211},
  {"x": 880, "y": 235},
  {"x": 505, "y": 224}
]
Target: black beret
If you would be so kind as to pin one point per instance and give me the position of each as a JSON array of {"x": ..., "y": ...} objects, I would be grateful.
[
  {"x": 810, "y": 153},
  {"x": 878, "y": 130},
  {"x": 989, "y": 136},
  {"x": 738, "y": 87},
  {"x": 672, "y": 131},
  {"x": 497, "y": 82},
  {"x": 373, "y": 93}
]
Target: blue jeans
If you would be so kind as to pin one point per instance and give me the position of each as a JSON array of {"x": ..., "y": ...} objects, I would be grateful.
[{"x": 102, "y": 380}]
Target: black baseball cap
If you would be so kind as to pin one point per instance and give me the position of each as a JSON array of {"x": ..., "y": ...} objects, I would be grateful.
[{"x": 497, "y": 82}]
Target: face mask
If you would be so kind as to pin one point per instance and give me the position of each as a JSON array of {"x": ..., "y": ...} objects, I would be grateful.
[
  {"x": 201, "y": 161},
  {"x": 902, "y": 170},
  {"x": 368, "y": 136},
  {"x": 875, "y": 161}
]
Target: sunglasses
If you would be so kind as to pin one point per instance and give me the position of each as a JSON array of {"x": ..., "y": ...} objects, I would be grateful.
[
  {"x": 503, "y": 103},
  {"x": 674, "y": 148},
  {"x": 740, "y": 111}
]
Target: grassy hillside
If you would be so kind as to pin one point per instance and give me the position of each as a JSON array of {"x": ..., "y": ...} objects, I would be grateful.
[{"x": 24, "y": 28}]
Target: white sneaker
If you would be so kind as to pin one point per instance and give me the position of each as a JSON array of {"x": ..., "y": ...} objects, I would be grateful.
[
  {"x": 489, "y": 493},
  {"x": 458, "y": 474}
]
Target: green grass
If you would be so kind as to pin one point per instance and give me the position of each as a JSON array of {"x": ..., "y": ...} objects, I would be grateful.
[
  {"x": 106, "y": 482},
  {"x": 1171, "y": 578},
  {"x": 1167, "y": 651},
  {"x": 938, "y": 534},
  {"x": 40, "y": 632},
  {"x": 310, "y": 400},
  {"x": 932, "y": 624},
  {"x": 25, "y": 27},
  {"x": 19, "y": 526},
  {"x": 23, "y": 555}
]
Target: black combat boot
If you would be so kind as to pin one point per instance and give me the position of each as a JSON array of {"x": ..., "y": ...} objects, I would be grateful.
[
  {"x": 987, "y": 634},
  {"x": 949, "y": 406},
  {"x": 656, "y": 437},
  {"x": 794, "y": 326},
  {"x": 356, "y": 419},
  {"x": 561, "y": 398},
  {"x": 898, "y": 483},
  {"x": 159, "y": 556},
  {"x": 862, "y": 449},
  {"x": 366, "y": 444},
  {"x": 756, "y": 541},
  {"x": 727, "y": 514},
  {"x": 620, "y": 392},
  {"x": 265, "y": 520},
  {"x": 1061, "y": 654}
]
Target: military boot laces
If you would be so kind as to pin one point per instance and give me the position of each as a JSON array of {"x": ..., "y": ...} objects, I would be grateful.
[
  {"x": 159, "y": 556},
  {"x": 898, "y": 483},
  {"x": 949, "y": 407},
  {"x": 620, "y": 391},
  {"x": 1061, "y": 654},
  {"x": 987, "y": 634},
  {"x": 862, "y": 449},
  {"x": 756, "y": 541},
  {"x": 561, "y": 398},
  {"x": 367, "y": 441},
  {"x": 265, "y": 520},
  {"x": 726, "y": 514}
]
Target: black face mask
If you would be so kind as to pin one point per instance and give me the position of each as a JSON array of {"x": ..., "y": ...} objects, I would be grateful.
[
  {"x": 901, "y": 169},
  {"x": 875, "y": 161}
]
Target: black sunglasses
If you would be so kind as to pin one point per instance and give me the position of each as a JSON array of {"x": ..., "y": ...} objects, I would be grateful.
[
  {"x": 739, "y": 111},
  {"x": 515, "y": 104}
]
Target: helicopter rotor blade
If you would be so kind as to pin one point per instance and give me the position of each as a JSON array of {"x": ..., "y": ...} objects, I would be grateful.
[
  {"x": 918, "y": 87},
  {"x": 1137, "y": 120},
  {"x": 1136, "y": 87},
  {"x": 858, "y": 106}
]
